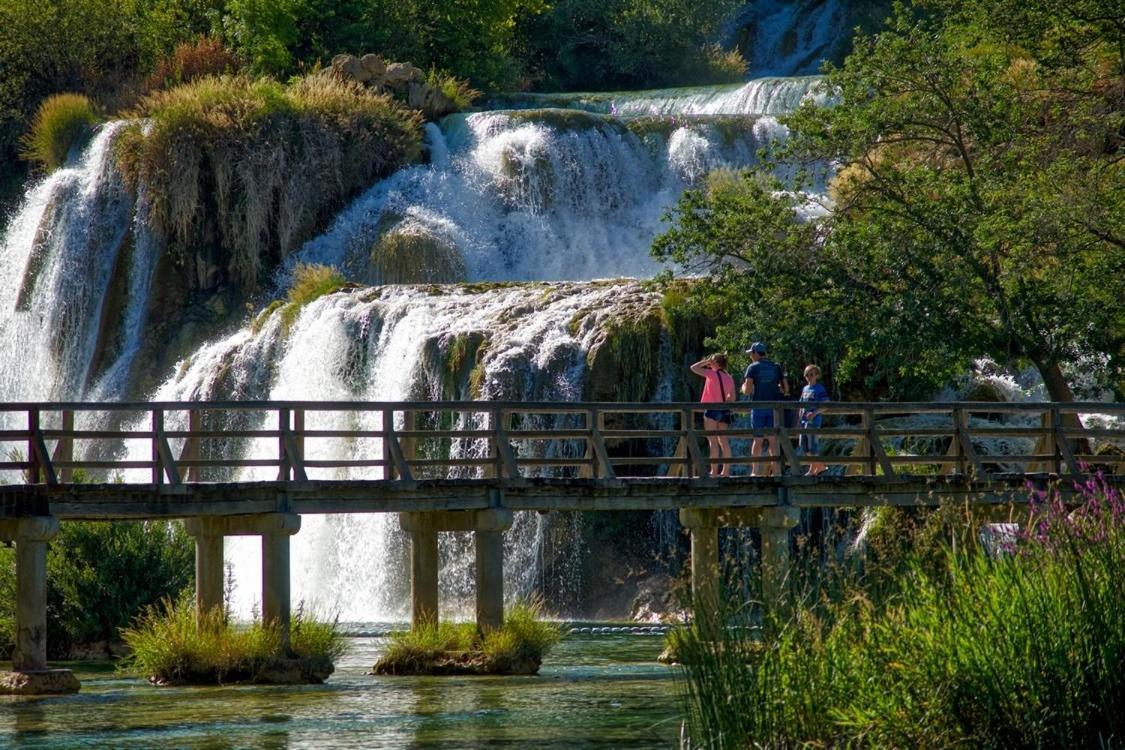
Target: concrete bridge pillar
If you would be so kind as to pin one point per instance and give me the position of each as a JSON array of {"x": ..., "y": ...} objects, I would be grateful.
[
  {"x": 775, "y": 525},
  {"x": 208, "y": 573},
  {"x": 703, "y": 524},
  {"x": 29, "y": 675},
  {"x": 423, "y": 578},
  {"x": 489, "y": 579},
  {"x": 487, "y": 527},
  {"x": 275, "y": 530}
]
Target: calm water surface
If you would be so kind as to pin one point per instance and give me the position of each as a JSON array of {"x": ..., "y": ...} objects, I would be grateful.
[{"x": 600, "y": 691}]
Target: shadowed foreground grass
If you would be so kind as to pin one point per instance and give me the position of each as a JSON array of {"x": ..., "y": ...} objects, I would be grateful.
[{"x": 1025, "y": 648}]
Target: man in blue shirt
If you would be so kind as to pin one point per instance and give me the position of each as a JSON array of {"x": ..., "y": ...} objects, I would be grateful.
[{"x": 763, "y": 381}]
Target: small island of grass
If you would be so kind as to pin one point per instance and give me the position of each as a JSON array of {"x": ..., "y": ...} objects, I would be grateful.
[
  {"x": 516, "y": 648},
  {"x": 171, "y": 648}
]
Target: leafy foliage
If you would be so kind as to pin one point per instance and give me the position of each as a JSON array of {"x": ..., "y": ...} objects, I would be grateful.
[
  {"x": 60, "y": 120},
  {"x": 606, "y": 44},
  {"x": 978, "y": 205},
  {"x": 100, "y": 575}
]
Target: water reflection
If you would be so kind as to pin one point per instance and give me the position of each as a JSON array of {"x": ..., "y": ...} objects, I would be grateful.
[{"x": 594, "y": 692}]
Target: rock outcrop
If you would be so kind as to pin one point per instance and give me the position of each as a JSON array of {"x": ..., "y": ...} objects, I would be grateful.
[{"x": 404, "y": 81}]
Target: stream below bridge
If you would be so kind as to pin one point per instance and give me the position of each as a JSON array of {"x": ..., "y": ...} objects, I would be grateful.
[{"x": 594, "y": 691}]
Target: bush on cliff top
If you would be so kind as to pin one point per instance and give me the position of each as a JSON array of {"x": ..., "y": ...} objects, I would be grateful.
[
  {"x": 59, "y": 122},
  {"x": 241, "y": 171}
]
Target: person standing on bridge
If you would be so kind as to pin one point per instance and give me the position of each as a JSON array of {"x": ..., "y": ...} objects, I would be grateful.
[
  {"x": 718, "y": 391},
  {"x": 811, "y": 418},
  {"x": 764, "y": 381}
]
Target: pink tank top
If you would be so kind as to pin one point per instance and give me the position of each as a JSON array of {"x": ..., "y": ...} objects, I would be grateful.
[{"x": 712, "y": 393}]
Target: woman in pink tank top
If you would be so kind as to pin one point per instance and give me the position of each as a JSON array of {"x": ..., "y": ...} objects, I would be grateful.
[{"x": 718, "y": 391}]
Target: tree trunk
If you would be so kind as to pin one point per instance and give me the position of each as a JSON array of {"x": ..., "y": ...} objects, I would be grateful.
[{"x": 1059, "y": 390}]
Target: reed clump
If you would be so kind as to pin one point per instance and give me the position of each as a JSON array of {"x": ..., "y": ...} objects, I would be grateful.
[
  {"x": 240, "y": 171},
  {"x": 1021, "y": 645},
  {"x": 171, "y": 648},
  {"x": 60, "y": 120},
  {"x": 446, "y": 648}
]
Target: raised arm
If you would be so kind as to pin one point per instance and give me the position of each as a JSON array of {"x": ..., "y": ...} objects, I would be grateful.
[{"x": 700, "y": 368}]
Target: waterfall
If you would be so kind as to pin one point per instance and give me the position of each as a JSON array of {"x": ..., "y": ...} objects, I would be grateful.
[
  {"x": 386, "y": 344},
  {"x": 763, "y": 96},
  {"x": 57, "y": 259}
]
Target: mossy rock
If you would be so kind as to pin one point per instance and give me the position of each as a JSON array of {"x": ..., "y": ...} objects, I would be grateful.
[
  {"x": 457, "y": 663},
  {"x": 276, "y": 671},
  {"x": 408, "y": 254}
]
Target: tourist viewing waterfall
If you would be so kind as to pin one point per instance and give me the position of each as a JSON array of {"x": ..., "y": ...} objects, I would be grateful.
[{"x": 350, "y": 346}]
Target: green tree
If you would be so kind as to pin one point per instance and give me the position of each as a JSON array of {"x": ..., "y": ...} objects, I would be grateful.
[
  {"x": 978, "y": 202},
  {"x": 100, "y": 576}
]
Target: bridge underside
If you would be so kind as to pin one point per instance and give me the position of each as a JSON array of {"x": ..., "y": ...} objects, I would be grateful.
[{"x": 136, "y": 501}]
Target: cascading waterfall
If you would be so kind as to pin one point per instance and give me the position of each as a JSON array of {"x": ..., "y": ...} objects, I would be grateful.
[
  {"x": 56, "y": 262},
  {"x": 385, "y": 344}
]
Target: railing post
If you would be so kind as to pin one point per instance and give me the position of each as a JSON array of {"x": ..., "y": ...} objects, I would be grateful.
[
  {"x": 282, "y": 454},
  {"x": 33, "y": 467},
  {"x": 955, "y": 450},
  {"x": 388, "y": 423},
  {"x": 191, "y": 445},
  {"x": 1049, "y": 444},
  {"x": 157, "y": 432},
  {"x": 697, "y": 467},
  {"x": 64, "y": 450},
  {"x": 861, "y": 449},
  {"x": 1064, "y": 447}
]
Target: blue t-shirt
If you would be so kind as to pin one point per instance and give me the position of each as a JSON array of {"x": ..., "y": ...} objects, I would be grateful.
[
  {"x": 813, "y": 393},
  {"x": 767, "y": 380}
]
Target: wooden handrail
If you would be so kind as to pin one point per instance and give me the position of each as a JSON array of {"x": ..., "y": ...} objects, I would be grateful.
[{"x": 501, "y": 442}]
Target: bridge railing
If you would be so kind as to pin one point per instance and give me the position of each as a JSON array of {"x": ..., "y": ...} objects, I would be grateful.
[{"x": 176, "y": 443}]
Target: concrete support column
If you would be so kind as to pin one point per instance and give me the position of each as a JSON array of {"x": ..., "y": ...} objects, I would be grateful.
[
  {"x": 29, "y": 675},
  {"x": 423, "y": 578},
  {"x": 703, "y": 525},
  {"x": 490, "y": 579},
  {"x": 208, "y": 573},
  {"x": 776, "y": 523},
  {"x": 275, "y": 583},
  {"x": 30, "y": 653}
]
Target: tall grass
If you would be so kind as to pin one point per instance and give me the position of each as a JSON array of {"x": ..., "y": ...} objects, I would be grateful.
[
  {"x": 524, "y": 638},
  {"x": 1026, "y": 649},
  {"x": 59, "y": 122},
  {"x": 241, "y": 171},
  {"x": 171, "y": 648}
]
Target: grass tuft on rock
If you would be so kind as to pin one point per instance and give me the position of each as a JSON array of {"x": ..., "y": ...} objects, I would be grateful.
[
  {"x": 518, "y": 647},
  {"x": 241, "y": 171},
  {"x": 60, "y": 121},
  {"x": 169, "y": 648}
]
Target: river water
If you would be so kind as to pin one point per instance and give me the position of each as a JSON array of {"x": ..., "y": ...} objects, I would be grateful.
[{"x": 594, "y": 691}]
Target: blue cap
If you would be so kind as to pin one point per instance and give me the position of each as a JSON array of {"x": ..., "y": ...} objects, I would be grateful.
[{"x": 757, "y": 347}]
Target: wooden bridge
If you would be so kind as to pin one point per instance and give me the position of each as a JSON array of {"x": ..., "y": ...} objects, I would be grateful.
[{"x": 253, "y": 468}]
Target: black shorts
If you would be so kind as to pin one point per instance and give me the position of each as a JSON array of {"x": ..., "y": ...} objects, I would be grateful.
[{"x": 719, "y": 415}]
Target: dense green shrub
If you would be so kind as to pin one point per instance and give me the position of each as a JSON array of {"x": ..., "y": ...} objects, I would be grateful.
[
  {"x": 1024, "y": 647},
  {"x": 60, "y": 121},
  {"x": 607, "y": 44},
  {"x": 100, "y": 576},
  {"x": 241, "y": 171},
  {"x": 169, "y": 646}
]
